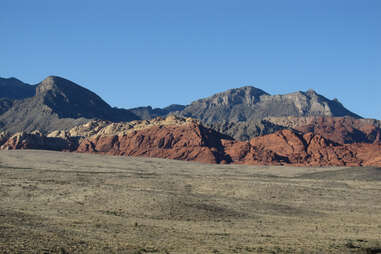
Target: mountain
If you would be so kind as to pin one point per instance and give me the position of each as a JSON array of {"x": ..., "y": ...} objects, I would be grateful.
[
  {"x": 70, "y": 100},
  {"x": 12, "y": 88},
  {"x": 58, "y": 104},
  {"x": 301, "y": 128},
  {"x": 242, "y": 113},
  {"x": 249, "y": 103}
]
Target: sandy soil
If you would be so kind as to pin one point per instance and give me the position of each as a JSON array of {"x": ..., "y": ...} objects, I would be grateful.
[{"x": 55, "y": 202}]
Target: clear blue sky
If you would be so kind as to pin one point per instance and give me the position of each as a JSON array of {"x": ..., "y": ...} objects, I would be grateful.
[{"x": 150, "y": 52}]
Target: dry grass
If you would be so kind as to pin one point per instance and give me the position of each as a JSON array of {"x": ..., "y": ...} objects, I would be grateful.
[{"x": 52, "y": 202}]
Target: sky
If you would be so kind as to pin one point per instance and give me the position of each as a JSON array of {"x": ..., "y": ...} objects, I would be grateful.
[{"x": 149, "y": 52}]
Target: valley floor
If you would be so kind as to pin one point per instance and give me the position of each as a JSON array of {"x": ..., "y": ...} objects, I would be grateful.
[{"x": 56, "y": 202}]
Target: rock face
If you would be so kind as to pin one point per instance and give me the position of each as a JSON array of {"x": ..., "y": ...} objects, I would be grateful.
[{"x": 187, "y": 139}]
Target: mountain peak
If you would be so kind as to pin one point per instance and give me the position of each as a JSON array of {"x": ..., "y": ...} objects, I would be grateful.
[
  {"x": 250, "y": 90},
  {"x": 311, "y": 92},
  {"x": 55, "y": 83},
  {"x": 242, "y": 95}
]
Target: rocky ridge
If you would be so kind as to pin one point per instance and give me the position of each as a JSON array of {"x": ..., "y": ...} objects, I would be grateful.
[{"x": 249, "y": 103}]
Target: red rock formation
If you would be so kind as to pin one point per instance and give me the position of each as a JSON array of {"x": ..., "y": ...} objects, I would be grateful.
[{"x": 191, "y": 142}]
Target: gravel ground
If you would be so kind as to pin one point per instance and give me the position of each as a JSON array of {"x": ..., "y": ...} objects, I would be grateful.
[{"x": 56, "y": 202}]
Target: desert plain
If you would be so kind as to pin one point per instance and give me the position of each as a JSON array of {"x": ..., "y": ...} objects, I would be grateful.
[{"x": 59, "y": 202}]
